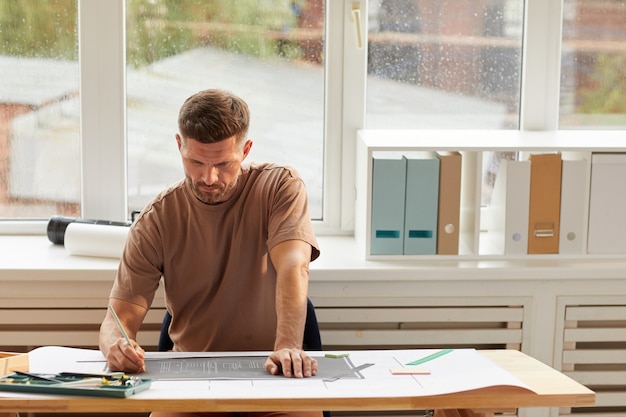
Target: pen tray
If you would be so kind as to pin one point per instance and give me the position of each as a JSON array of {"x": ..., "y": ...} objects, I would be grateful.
[{"x": 20, "y": 383}]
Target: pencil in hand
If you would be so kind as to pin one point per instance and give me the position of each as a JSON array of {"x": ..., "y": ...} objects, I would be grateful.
[{"x": 119, "y": 326}]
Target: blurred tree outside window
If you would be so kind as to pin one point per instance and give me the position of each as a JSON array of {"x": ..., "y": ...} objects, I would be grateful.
[{"x": 593, "y": 65}]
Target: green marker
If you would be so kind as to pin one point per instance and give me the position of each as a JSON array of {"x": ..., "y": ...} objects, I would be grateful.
[
  {"x": 431, "y": 357},
  {"x": 336, "y": 355}
]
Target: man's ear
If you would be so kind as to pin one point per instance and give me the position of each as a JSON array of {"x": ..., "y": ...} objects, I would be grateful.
[
  {"x": 246, "y": 148},
  {"x": 179, "y": 141}
]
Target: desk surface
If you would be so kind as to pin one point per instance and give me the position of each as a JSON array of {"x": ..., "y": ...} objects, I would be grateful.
[{"x": 547, "y": 388}]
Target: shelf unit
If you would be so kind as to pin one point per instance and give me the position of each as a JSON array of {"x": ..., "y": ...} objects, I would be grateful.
[{"x": 472, "y": 144}]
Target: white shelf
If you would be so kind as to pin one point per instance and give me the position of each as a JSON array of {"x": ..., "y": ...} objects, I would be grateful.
[
  {"x": 494, "y": 140},
  {"x": 473, "y": 144}
]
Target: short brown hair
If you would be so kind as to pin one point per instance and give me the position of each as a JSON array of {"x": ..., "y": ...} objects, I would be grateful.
[{"x": 214, "y": 115}]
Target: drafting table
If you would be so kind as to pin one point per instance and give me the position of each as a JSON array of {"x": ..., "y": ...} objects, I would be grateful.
[{"x": 507, "y": 379}]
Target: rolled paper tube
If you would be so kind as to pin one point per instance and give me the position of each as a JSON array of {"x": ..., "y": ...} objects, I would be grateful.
[{"x": 99, "y": 240}]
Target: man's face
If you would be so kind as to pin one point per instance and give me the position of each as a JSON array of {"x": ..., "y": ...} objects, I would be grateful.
[{"x": 212, "y": 169}]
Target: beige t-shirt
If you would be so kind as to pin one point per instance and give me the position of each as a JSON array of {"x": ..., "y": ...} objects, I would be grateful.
[{"x": 214, "y": 259}]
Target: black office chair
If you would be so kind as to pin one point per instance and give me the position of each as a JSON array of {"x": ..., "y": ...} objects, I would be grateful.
[{"x": 311, "y": 341}]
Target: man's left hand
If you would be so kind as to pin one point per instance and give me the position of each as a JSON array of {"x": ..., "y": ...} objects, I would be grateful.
[{"x": 291, "y": 363}]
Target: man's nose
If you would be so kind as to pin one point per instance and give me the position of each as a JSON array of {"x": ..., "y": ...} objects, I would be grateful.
[{"x": 210, "y": 175}]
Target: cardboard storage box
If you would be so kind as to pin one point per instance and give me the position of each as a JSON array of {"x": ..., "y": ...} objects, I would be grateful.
[{"x": 10, "y": 362}]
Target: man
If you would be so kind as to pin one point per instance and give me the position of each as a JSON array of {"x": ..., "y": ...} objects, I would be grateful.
[{"x": 232, "y": 243}]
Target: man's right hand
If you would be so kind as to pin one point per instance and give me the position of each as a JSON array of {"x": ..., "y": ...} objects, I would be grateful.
[{"x": 122, "y": 357}]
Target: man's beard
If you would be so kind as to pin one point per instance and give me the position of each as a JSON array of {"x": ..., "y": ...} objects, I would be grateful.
[{"x": 217, "y": 195}]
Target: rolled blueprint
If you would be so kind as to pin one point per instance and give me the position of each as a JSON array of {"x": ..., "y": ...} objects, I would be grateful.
[
  {"x": 95, "y": 240},
  {"x": 57, "y": 225}
]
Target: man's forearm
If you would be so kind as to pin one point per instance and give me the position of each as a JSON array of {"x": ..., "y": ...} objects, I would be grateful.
[
  {"x": 291, "y": 261},
  {"x": 291, "y": 316}
]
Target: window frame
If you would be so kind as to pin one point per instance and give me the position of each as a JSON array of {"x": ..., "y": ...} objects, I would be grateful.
[
  {"x": 103, "y": 104},
  {"x": 102, "y": 63}
]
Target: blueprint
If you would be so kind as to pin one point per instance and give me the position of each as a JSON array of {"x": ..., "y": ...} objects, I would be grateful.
[
  {"x": 362, "y": 374},
  {"x": 236, "y": 367}
]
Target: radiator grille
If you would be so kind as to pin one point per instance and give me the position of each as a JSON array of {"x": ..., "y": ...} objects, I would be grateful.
[
  {"x": 421, "y": 327},
  {"x": 594, "y": 354}
]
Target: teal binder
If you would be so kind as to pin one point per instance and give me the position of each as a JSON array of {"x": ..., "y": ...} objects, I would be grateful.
[
  {"x": 422, "y": 203},
  {"x": 388, "y": 188}
]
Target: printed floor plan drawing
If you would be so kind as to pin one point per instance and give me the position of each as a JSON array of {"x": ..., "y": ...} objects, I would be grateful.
[{"x": 238, "y": 367}]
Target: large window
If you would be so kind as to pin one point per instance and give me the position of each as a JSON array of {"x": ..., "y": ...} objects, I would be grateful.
[
  {"x": 444, "y": 64},
  {"x": 271, "y": 53},
  {"x": 39, "y": 122},
  {"x": 313, "y": 71}
]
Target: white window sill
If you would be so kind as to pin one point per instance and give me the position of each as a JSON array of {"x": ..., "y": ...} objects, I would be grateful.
[{"x": 36, "y": 258}]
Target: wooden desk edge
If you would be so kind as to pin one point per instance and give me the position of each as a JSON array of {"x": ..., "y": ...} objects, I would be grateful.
[
  {"x": 558, "y": 387},
  {"x": 478, "y": 399}
]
